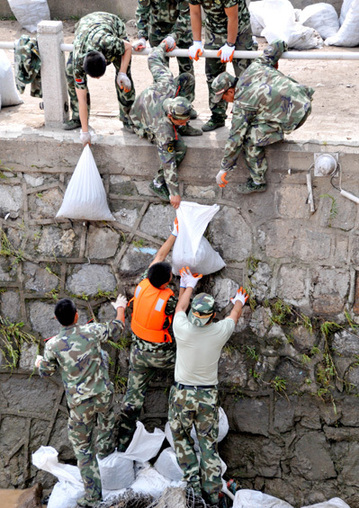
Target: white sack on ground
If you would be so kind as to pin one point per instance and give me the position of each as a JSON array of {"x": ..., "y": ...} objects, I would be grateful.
[
  {"x": 348, "y": 33},
  {"x": 8, "y": 92},
  {"x": 191, "y": 248},
  {"x": 279, "y": 18},
  {"x": 116, "y": 471},
  {"x": 150, "y": 481},
  {"x": 144, "y": 445},
  {"x": 246, "y": 498},
  {"x": 256, "y": 17},
  {"x": 344, "y": 10},
  {"x": 85, "y": 196},
  {"x": 322, "y": 17},
  {"x": 30, "y": 12},
  {"x": 335, "y": 502}
]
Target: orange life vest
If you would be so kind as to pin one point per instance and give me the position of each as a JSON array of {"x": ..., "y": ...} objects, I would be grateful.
[{"x": 148, "y": 315}]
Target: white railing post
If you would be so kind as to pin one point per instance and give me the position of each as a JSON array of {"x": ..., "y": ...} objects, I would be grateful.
[{"x": 53, "y": 79}]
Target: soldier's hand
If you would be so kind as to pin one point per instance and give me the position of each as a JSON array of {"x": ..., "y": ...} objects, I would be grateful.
[
  {"x": 196, "y": 50},
  {"x": 85, "y": 138},
  {"x": 38, "y": 360},
  {"x": 139, "y": 45},
  {"x": 170, "y": 43},
  {"x": 175, "y": 201},
  {"x": 226, "y": 53},
  {"x": 124, "y": 82},
  {"x": 121, "y": 301},
  {"x": 189, "y": 279},
  {"x": 221, "y": 178},
  {"x": 241, "y": 296}
]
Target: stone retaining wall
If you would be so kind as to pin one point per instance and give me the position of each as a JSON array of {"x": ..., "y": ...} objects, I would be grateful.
[{"x": 288, "y": 376}]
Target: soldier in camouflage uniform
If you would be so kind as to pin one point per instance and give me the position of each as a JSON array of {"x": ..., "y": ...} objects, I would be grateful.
[
  {"x": 164, "y": 19},
  {"x": 76, "y": 352},
  {"x": 147, "y": 356},
  {"x": 159, "y": 113},
  {"x": 267, "y": 104},
  {"x": 102, "y": 35},
  {"x": 28, "y": 65},
  {"x": 193, "y": 398},
  {"x": 227, "y": 28}
]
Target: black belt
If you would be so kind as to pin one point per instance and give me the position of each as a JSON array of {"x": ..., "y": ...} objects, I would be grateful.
[{"x": 189, "y": 387}]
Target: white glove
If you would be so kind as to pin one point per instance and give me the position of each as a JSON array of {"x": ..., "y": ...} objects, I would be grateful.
[
  {"x": 241, "y": 296},
  {"x": 196, "y": 50},
  {"x": 174, "y": 231},
  {"x": 139, "y": 45},
  {"x": 189, "y": 280},
  {"x": 124, "y": 82},
  {"x": 170, "y": 43},
  {"x": 121, "y": 301},
  {"x": 226, "y": 53},
  {"x": 221, "y": 178},
  {"x": 85, "y": 138},
  {"x": 38, "y": 360}
]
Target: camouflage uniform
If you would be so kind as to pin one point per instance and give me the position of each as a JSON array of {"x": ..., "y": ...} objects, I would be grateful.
[
  {"x": 28, "y": 65},
  {"x": 149, "y": 117},
  {"x": 103, "y": 32},
  {"x": 216, "y": 37},
  {"x": 267, "y": 104},
  {"x": 76, "y": 350},
  {"x": 156, "y": 19}
]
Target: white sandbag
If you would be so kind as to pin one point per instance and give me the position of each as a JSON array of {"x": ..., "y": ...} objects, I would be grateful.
[
  {"x": 150, "y": 481},
  {"x": 344, "y": 10},
  {"x": 348, "y": 33},
  {"x": 323, "y": 17},
  {"x": 246, "y": 498},
  {"x": 279, "y": 18},
  {"x": 191, "y": 248},
  {"x": 30, "y": 12},
  {"x": 144, "y": 445},
  {"x": 335, "y": 502},
  {"x": 256, "y": 17},
  {"x": 8, "y": 92},
  {"x": 64, "y": 495},
  {"x": 304, "y": 37},
  {"x": 116, "y": 471},
  {"x": 167, "y": 465},
  {"x": 85, "y": 196}
]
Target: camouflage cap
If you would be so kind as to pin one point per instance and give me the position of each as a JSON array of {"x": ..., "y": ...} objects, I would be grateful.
[
  {"x": 202, "y": 309},
  {"x": 221, "y": 84},
  {"x": 179, "y": 108}
]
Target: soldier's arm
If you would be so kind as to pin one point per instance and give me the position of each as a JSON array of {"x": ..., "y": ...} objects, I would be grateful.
[
  {"x": 167, "y": 155},
  {"x": 48, "y": 365},
  {"x": 273, "y": 52},
  {"x": 183, "y": 21},
  {"x": 126, "y": 57},
  {"x": 83, "y": 112},
  {"x": 164, "y": 250},
  {"x": 232, "y": 23},
  {"x": 161, "y": 73},
  {"x": 143, "y": 18},
  {"x": 233, "y": 147},
  {"x": 196, "y": 21}
]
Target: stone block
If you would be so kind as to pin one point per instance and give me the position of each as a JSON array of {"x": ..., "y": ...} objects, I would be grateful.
[
  {"x": 279, "y": 237},
  {"x": 33, "y": 395},
  {"x": 45, "y": 205},
  {"x": 232, "y": 368},
  {"x": 28, "y": 356},
  {"x": 261, "y": 281},
  {"x": 223, "y": 290},
  {"x": 312, "y": 459},
  {"x": 102, "y": 243},
  {"x": 158, "y": 221},
  {"x": 56, "y": 242},
  {"x": 346, "y": 343},
  {"x": 283, "y": 415},
  {"x": 39, "y": 279},
  {"x": 330, "y": 288},
  {"x": 250, "y": 415},
  {"x": 199, "y": 192},
  {"x": 292, "y": 284},
  {"x": 10, "y": 305},
  {"x": 90, "y": 279},
  {"x": 312, "y": 245},
  {"x": 304, "y": 339},
  {"x": 261, "y": 321},
  {"x": 33, "y": 180},
  {"x": 343, "y": 219},
  {"x": 42, "y": 319},
  {"x": 126, "y": 216},
  {"x": 7, "y": 269},
  {"x": 350, "y": 471},
  {"x": 10, "y": 199},
  {"x": 292, "y": 202},
  {"x": 135, "y": 261}
]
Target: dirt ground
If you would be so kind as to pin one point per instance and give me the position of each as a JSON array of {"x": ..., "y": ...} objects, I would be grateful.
[{"x": 334, "y": 118}]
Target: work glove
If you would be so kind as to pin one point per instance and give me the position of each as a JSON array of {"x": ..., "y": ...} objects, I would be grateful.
[
  {"x": 221, "y": 178},
  {"x": 85, "y": 138},
  {"x": 38, "y": 360},
  {"x": 170, "y": 43},
  {"x": 196, "y": 50},
  {"x": 175, "y": 227},
  {"x": 139, "y": 45},
  {"x": 121, "y": 301},
  {"x": 124, "y": 82},
  {"x": 226, "y": 53},
  {"x": 188, "y": 279},
  {"x": 241, "y": 296}
]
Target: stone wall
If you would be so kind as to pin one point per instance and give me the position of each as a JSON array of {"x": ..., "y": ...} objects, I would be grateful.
[{"x": 288, "y": 376}]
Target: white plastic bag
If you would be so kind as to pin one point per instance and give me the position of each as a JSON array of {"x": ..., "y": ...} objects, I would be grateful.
[
  {"x": 322, "y": 17},
  {"x": 304, "y": 37},
  {"x": 344, "y": 10},
  {"x": 144, "y": 445},
  {"x": 348, "y": 33},
  {"x": 8, "y": 92},
  {"x": 191, "y": 248},
  {"x": 150, "y": 481},
  {"x": 167, "y": 465},
  {"x": 85, "y": 196},
  {"x": 246, "y": 498},
  {"x": 256, "y": 17},
  {"x": 335, "y": 502},
  {"x": 116, "y": 471},
  {"x": 279, "y": 18},
  {"x": 30, "y": 12},
  {"x": 65, "y": 495}
]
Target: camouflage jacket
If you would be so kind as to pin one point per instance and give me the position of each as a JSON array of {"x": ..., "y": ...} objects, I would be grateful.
[
  {"x": 216, "y": 18},
  {"x": 76, "y": 350},
  {"x": 98, "y": 31},
  {"x": 28, "y": 65},
  {"x": 267, "y": 104},
  {"x": 150, "y": 119},
  {"x": 163, "y": 17}
]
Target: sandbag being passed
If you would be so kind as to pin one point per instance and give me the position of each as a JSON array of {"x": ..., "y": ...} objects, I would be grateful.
[
  {"x": 191, "y": 248},
  {"x": 85, "y": 196}
]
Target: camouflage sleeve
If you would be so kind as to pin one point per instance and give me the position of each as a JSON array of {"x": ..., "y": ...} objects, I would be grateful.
[
  {"x": 171, "y": 305},
  {"x": 167, "y": 155},
  {"x": 111, "y": 330},
  {"x": 161, "y": 73},
  {"x": 183, "y": 22},
  {"x": 273, "y": 52},
  {"x": 143, "y": 17},
  {"x": 49, "y": 364},
  {"x": 240, "y": 123}
]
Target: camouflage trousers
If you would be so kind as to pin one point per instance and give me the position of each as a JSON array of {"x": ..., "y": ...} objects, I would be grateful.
[
  {"x": 198, "y": 407},
  {"x": 145, "y": 359},
  {"x": 125, "y": 100},
  {"x": 214, "y": 66},
  {"x": 96, "y": 412}
]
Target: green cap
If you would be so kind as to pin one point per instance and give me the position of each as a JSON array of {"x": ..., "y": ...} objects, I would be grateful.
[
  {"x": 202, "y": 309},
  {"x": 221, "y": 84},
  {"x": 179, "y": 108}
]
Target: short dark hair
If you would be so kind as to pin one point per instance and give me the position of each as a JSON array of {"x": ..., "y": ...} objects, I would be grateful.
[
  {"x": 65, "y": 311},
  {"x": 159, "y": 274},
  {"x": 95, "y": 64}
]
